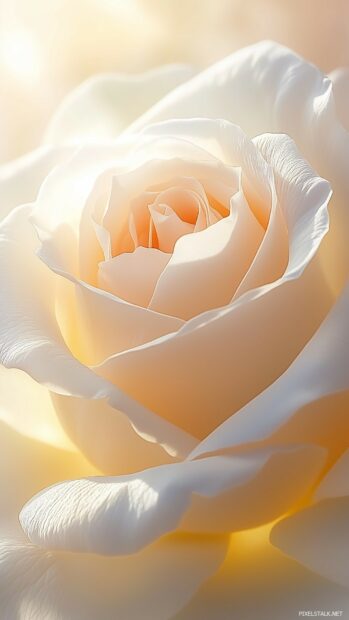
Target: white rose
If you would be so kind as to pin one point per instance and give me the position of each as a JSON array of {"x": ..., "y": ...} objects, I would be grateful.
[{"x": 181, "y": 323}]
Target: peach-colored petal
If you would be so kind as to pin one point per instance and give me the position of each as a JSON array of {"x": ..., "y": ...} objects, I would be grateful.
[
  {"x": 162, "y": 163},
  {"x": 310, "y": 400},
  {"x": 168, "y": 226},
  {"x": 207, "y": 267},
  {"x": 133, "y": 276},
  {"x": 94, "y": 322}
]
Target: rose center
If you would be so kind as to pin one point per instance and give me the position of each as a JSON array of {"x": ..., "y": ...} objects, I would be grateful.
[{"x": 159, "y": 219}]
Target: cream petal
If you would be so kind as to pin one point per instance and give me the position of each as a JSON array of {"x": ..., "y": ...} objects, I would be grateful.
[
  {"x": 320, "y": 370},
  {"x": 120, "y": 515},
  {"x": 228, "y": 144},
  {"x": 27, "y": 408},
  {"x": 103, "y": 106},
  {"x": 32, "y": 341},
  {"x": 211, "y": 368},
  {"x": 227, "y": 356},
  {"x": 29, "y": 332},
  {"x": 20, "y": 180},
  {"x": 340, "y": 81},
  {"x": 257, "y": 581},
  {"x": 105, "y": 436},
  {"x": 266, "y": 72},
  {"x": 65, "y": 191},
  {"x": 96, "y": 323},
  {"x": 152, "y": 585},
  {"x": 133, "y": 276},
  {"x": 207, "y": 267}
]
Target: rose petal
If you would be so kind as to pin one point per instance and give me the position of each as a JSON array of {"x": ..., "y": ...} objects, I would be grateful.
[
  {"x": 340, "y": 81},
  {"x": 103, "y": 106},
  {"x": 206, "y": 268},
  {"x": 159, "y": 162},
  {"x": 29, "y": 333},
  {"x": 266, "y": 72},
  {"x": 152, "y": 585},
  {"x": 105, "y": 436},
  {"x": 320, "y": 370},
  {"x": 121, "y": 515},
  {"x": 133, "y": 276},
  {"x": 96, "y": 323},
  {"x": 20, "y": 180}
]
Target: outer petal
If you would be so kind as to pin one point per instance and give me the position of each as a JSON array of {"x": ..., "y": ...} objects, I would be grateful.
[
  {"x": 266, "y": 72},
  {"x": 105, "y": 436},
  {"x": 121, "y": 515},
  {"x": 20, "y": 180},
  {"x": 133, "y": 276},
  {"x": 293, "y": 401},
  {"x": 29, "y": 332},
  {"x": 293, "y": 97},
  {"x": 103, "y": 106},
  {"x": 152, "y": 585},
  {"x": 318, "y": 536},
  {"x": 340, "y": 81}
]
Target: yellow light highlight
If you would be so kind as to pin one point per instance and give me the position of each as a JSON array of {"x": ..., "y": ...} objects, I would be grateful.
[{"x": 252, "y": 539}]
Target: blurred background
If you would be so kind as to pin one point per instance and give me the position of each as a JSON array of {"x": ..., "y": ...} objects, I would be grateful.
[{"x": 49, "y": 46}]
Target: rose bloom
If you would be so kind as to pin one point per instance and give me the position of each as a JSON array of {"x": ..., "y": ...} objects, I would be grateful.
[{"x": 175, "y": 348}]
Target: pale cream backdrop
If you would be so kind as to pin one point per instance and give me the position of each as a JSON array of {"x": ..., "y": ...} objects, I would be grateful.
[{"x": 49, "y": 46}]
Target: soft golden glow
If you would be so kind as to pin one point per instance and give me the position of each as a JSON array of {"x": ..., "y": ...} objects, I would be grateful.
[{"x": 20, "y": 55}]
